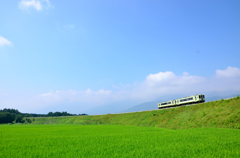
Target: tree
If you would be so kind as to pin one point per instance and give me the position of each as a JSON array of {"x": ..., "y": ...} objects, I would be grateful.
[
  {"x": 6, "y": 117},
  {"x": 18, "y": 118}
]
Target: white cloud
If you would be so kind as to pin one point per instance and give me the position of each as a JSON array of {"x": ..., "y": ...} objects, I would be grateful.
[
  {"x": 226, "y": 80},
  {"x": 87, "y": 96},
  {"x": 24, "y": 4},
  {"x": 160, "y": 85},
  {"x": 157, "y": 85},
  {"x": 228, "y": 73},
  {"x": 167, "y": 83},
  {"x": 36, "y": 4},
  {"x": 48, "y": 5},
  {"x": 4, "y": 41},
  {"x": 160, "y": 78}
]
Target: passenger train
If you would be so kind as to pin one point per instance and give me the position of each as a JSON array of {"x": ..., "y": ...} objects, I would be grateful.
[{"x": 199, "y": 98}]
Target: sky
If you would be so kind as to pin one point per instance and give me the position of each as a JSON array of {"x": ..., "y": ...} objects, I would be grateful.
[{"x": 82, "y": 55}]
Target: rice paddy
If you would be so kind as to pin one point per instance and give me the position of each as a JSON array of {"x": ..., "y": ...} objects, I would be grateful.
[{"x": 116, "y": 141}]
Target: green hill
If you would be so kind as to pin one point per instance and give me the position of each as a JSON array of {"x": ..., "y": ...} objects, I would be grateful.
[{"x": 218, "y": 114}]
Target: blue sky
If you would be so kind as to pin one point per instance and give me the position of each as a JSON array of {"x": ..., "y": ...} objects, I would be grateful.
[{"x": 81, "y": 55}]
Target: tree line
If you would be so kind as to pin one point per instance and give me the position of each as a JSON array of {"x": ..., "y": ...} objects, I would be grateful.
[{"x": 14, "y": 116}]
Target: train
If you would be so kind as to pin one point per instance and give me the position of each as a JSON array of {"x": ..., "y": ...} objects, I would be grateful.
[{"x": 199, "y": 98}]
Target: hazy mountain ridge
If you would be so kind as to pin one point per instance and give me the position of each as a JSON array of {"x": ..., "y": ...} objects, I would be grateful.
[
  {"x": 142, "y": 107},
  {"x": 153, "y": 104}
]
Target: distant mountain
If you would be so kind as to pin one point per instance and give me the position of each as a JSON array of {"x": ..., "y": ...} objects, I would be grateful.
[
  {"x": 112, "y": 108},
  {"x": 207, "y": 99},
  {"x": 143, "y": 107},
  {"x": 153, "y": 105},
  {"x": 125, "y": 106}
]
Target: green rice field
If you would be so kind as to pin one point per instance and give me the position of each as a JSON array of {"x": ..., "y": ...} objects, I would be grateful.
[{"x": 116, "y": 141}]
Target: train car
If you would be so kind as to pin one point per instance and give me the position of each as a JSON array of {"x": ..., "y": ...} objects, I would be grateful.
[{"x": 199, "y": 98}]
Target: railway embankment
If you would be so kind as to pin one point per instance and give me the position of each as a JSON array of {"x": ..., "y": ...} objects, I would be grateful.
[{"x": 215, "y": 114}]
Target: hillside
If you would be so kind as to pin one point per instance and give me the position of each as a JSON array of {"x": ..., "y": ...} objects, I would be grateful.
[{"x": 219, "y": 114}]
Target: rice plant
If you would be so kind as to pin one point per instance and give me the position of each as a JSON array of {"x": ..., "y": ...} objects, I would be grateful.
[{"x": 116, "y": 141}]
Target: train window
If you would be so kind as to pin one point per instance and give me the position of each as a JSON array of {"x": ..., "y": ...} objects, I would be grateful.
[{"x": 182, "y": 100}]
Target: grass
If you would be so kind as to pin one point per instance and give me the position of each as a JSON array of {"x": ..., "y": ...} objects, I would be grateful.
[
  {"x": 216, "y": 114},
  {"x": 116, "y": 141}
]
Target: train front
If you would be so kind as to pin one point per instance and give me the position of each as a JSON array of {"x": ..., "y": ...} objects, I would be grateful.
[{"x": 201, "y": 98}]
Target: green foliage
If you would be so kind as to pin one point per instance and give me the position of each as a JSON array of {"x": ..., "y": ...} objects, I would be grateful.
[
  {"x": 64, "y": 113},
  {"x": 14, "y": 116},
  {"x": 116, "y": 141},
  {"x": 6, "y": 117},
  {"x": 27, "y": 120},
  {"x": 18, "y": 118},
  {"x": 10, "y": 116},
  {"x": 14, "y": 111}
]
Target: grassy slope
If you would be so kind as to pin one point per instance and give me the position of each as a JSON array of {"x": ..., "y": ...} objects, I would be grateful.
[{"x": 220, "y": 114}]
